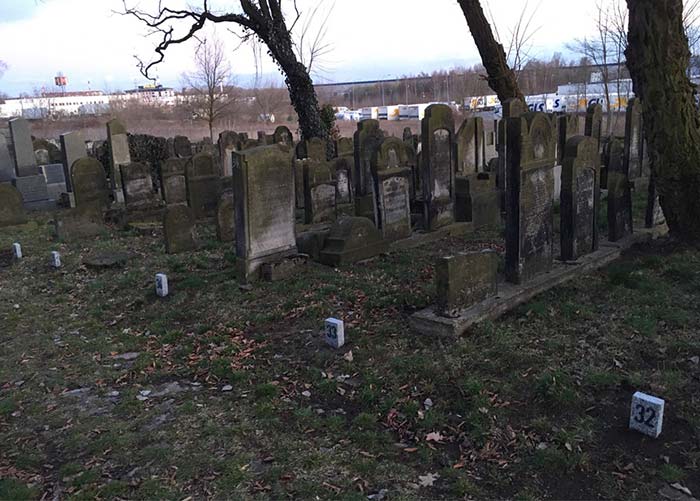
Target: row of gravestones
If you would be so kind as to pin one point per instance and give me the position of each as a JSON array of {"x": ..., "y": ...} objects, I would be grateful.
[{"x": 530, "y": 157}]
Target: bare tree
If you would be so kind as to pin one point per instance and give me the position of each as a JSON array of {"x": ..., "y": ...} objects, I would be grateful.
[
  {"x": 264, "y": 20},
  {"x": 311, "y": 43},
  {"x": 270, "y": 99},
  {"x": 210, "y": 84}
]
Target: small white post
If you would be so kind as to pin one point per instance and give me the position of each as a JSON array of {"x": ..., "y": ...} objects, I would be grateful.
[
  {"x": 335, "y": 332},
  {"x": 162, "y": 289},
  {"x": 647, "y": 414},
  {"x": 18, "y": 250},
  {"x": 55, "y": 259}
]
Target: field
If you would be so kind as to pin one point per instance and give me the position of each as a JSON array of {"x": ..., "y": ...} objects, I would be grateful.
[{"x": 222, "y": 392}]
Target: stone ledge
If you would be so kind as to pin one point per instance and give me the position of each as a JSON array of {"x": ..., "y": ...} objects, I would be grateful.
[
  {"x": 510, "y": 296},
  {"x": 418, "y": 239}
]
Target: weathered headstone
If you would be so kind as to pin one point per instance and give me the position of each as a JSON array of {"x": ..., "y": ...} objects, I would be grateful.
[
  {"x": 90, "y": 184},
  {"x": 529, "y": 199},
  {"x": 79, "y": 223},
  {"x": 352, "y": 239},
  {"x": 203, "y": 185},
  {"x": 228, "y": 143},
  {"x": 173, "y": 184},
  {"x": 512, "y": 108},
  {"x": 437, "y": 167},
  {"x": 465, "y": 279},
  {"x": 72, "y": 149},
  {"x": 478, "y": 201},
  {"x": 7, "y": 169},
  {"x": 42, "y": 157},
  {"x": 319, "y": 192},
  {"x": 392, "y": 190},
  {"x": 56, "y": 183},
  {"x": 178, "y": 229},
  {"x": 118, "y": 155},
  {"x": 32, "y": 188},
  {"x": 316, "y": 149},
  {"x": 345, "y": 147},
  {"x": 343, "y": 167},
  {"x": 580, "y": 198},
  {"x": 264, "y": 207},
  {"x": 654, "y": 215},
  {"x": 182, "y": 147},
  {"x": 619, "y": 193},
  {"x": 25, "y": 161},
  {"x": 470, "y": 147},
  {"x": 138, "y": 186},
  {"x": 226, "y": 218},
  {"x": 594, "y": 122},
  {"x": 634, "y": 143},
  {"x": 367, "y": 139},
  {"x": 283, "y": 135},
  {"x": 11, "y": 211}
]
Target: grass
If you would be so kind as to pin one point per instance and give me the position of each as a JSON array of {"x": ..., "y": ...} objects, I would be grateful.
[{"x": 531, "y": 406}]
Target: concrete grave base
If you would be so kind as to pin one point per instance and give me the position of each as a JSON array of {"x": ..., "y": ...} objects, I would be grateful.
[{"x": 429, "y": 322}]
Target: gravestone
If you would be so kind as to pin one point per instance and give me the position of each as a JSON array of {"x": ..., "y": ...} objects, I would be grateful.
[
  {"x": 619, "y": 193},
  {"x": 225, "y": 218},
  {"x": 634, "y": 144},
  {"x": 470, "y": 147},
  {"x": 298, "y": 170},
  {"x": 138, "y": 186},
  {"x": 11, "y": 210},
  {"x": 345, "y": 147},
  {"x": 182, "y": 147},
  {"x": 319, "y": 192},
  {"x": 437, "y": 169},
  {"x": 342, "y": 167},
  {"x": 25, "y": 161},
  {"x": 72, "y": 149},
  {"x": 580, "y": 198},
  {"x": 594, "y": 122},
  {"x": 78, "y": 224},
  {"x": 56, "y": 183},
  {"x": 7, "y": 169},
  {"x": 654, "y": 215},
  {"x": 172, "y": 181},
  {"x": 478, "y": 200},
  {"x": 52, "y": 149},
  {"x": 42, "y": 157},
  {"x": 464, "y": 280},
  {"x": 352, "y": 239},
  {"x": 283, "y": 135},
  {"x": 228, "y": 143},
  {"x": 366, "y": 141},
  {"x": 90, "y": 185},
  {"x": 203, "y": 185},
  {"x": 392, "y": 190},
  {"x": 32, "y": 188},
  {"x": 529, "y": 197},
  {"x": 316, "y": 149},
  {"x": 178, "y": 229},
  {"x": 119, "y": 155},
  {"x": 264, "y": 207},
  {"x": 512, "y": 108}
]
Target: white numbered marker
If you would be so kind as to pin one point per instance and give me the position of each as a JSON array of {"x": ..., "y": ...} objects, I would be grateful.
[
  {"x": 647, "y": 414},
  {"x": 162, "y": 285},
  {"x": 335, "y": 332}
]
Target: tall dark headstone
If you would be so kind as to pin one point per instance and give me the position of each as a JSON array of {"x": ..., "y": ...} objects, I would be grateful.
[
  {"x": 228, "y": 143},
  {"x": 594, "y": 122},
  {"x": 90, "y": 185},
  {"x": 283, "y": 135},
  {"x": 580, "y": 198},
  {"x": 7, "y": 168},
  {"x": 529, "y": 197},
  {"x": 437, "y": 167},
  {"x": 634, "y": 143},
  {"x": 119, "y": 155},
  {"x": 367, "y": 139},
  {"x": 178, "y": 229},
  {"x": 11, "y": 210},
  {"x": 72, "y": 149},
  {"x": 25, "y": 161},
  {"x": 619, "y": 193},
  {"x": 203, "y": 185}
]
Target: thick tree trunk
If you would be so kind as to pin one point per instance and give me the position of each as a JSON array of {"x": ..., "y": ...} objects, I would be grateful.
[
  {"x": 501, "y": 77},
  {"x": 658, "y": 57}
]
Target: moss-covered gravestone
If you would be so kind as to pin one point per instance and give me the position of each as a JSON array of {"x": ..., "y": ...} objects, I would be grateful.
[
  {"x": 72, "y": 149},
  {"x": 392, "y": 190},
  {"x": 580, "y": 198},
  {"x": 138, "y": 186},
  {"x": 619, "y": 193},
  {"x": 25, "y": 161},
  {"x": 228, "y": 143},
  {"x": 119, "y": 155},
  {"x": 352, "y": 239},
  {"x": 529, "y": 197},
  {"x": 178, "y": 229},
  {"x": 470, "y": 146},
  {"x": 90, "y": 184},
  {"x": 465, "y": 279},
  {"x": 367, "y": 140},
  {"x": 203, "y": 185},
  {"x": 226, "y": 218},
  {"x": 342, "y": 166},
  {"x": 173, "y": 185},
  {"x": 11, "y": 211},
  {"x": 319, "y": 192},
  {"x": 478, "y": 200},
  {"x": 594, "y": 122},
  {"x": 182, "y": 147},
  {"x": 264, "y": 207},
  {"x": 283, "y": 135},
  {"x": 437, "y": 167}
]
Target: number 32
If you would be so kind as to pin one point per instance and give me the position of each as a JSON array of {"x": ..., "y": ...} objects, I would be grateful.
[{"x": 642, "y": 412}]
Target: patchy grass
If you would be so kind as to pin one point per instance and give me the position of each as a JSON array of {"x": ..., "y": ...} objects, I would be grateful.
[{"x": 108, "y": 392}]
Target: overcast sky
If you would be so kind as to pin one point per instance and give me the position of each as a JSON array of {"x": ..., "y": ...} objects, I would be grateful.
[{"x": 371, "y": 39}]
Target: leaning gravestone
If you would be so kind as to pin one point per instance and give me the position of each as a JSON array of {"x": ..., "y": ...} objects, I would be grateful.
[
  {"x": 11, "y": 211},
  {"x": 634, "y": 144},
  {"x": 352, "y": 239},
  {"x": 529, "y": 197},
  {"x": 25, "y": 161},
  {"x": 465, "y": 279},
  {"x": 72, "y": 149},
  {"x": 172, "y": 181},
  {"x": 438, "y": 166},
  {"x": 138, "y": 186},
  {"x": 264, "y": 207},
  {"x": 619, "y": 193},
  {"x": 90, "y": 185},
  {"x": 367, "y": 139},
  {"x": 178, "y": 229},
  {"x": 119, "y": 155},
  {"x": 203, "y": 185},
  {"x": 392, "y": 188},
  {"x": 7, "y": 169},
  {"x": 226, "y": 218},
  {"x": 580, "y": 198},
  {"x": 55, "y": 180},
  {"x": 319, "y": 192}
]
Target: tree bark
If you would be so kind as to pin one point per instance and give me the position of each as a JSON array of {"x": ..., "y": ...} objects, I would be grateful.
[
  {"x": 658, "y": 57},
  {"x": 501, "y": 77}
]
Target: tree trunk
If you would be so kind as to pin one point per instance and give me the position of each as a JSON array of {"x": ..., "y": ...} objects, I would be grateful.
[
  {"x": 658, "y": 57},
  {"x": 501, "y": 77}
]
